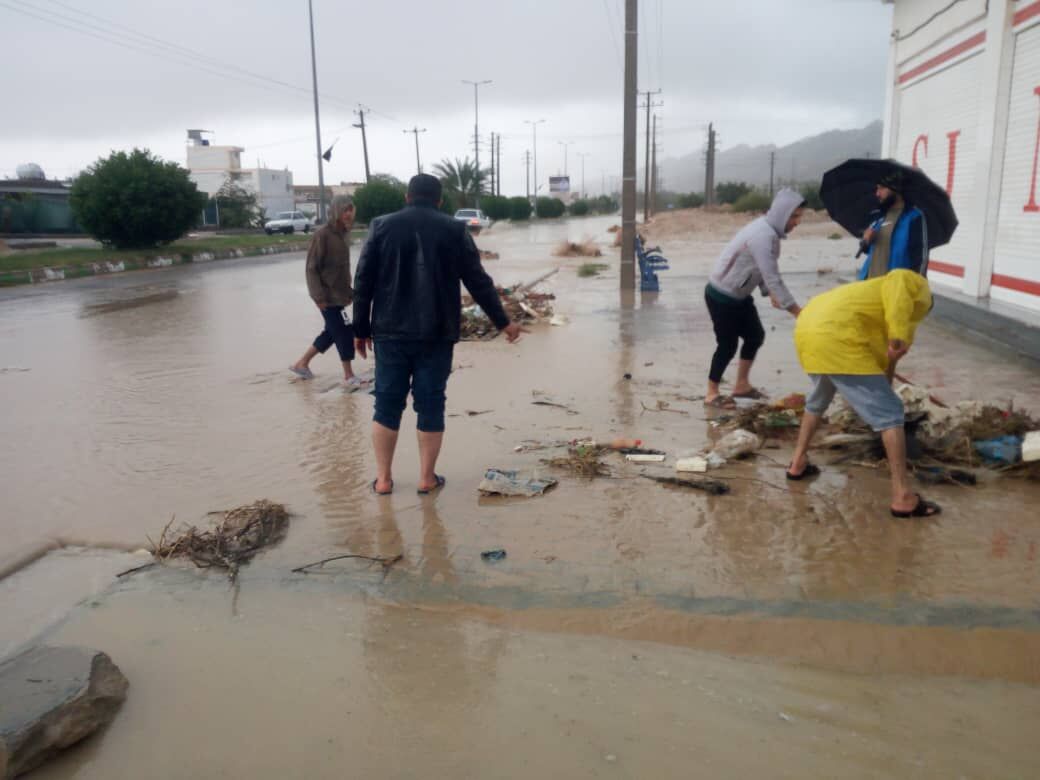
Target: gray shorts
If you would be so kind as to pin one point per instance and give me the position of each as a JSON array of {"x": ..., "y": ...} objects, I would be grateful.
[{"x": 870, "y": 395}]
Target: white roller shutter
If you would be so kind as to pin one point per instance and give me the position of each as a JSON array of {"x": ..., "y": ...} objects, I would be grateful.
[
  {"x": 1016, "y": 264},
  {"x": 941, "y": 103}
]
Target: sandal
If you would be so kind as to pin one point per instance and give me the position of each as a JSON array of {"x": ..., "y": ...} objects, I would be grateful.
[
  {"x": 923, "y": 509},
  {"x": 382, "y": 492},
  {"x": 721, "y": 402},
  {"x": 754, "y": 393},
  {"x": 810, "y": 470},
  {"x": 302, "y": 373},
  {"x": 440, "y": 483}
]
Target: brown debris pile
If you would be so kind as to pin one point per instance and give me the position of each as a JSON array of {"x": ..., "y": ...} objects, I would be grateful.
[
  {"x": 582, "y": 460},
  {"x": 239, "y": 535},
  {"x": 586, "y": 248},
  {"x": 521, "y": 304},
  {"x": 487, "y": 254}
]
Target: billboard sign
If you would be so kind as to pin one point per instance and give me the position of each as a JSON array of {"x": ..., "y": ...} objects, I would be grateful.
[{"x": 559, "y": 184}]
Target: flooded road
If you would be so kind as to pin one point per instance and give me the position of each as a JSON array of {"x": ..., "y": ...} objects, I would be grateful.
[{"x": 161, "y": 394}]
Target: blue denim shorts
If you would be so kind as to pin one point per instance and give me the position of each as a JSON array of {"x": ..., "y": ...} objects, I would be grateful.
[
  {"x": 870, "y": 396},
  {"x": 423, "y": 368}
]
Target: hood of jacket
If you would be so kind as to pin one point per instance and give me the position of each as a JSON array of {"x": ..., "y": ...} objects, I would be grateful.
[{"x": 784, "y": 204}]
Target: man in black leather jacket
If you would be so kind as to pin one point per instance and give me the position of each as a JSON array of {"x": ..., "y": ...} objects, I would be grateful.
[{"x": 408, "y": 304}]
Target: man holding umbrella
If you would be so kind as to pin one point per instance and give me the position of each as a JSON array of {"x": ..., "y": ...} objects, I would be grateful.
[
  {"x": 897, "y": 210},
  {"x": 898, "y": 238}
]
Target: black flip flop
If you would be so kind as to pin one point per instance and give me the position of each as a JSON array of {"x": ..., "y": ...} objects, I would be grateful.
[
  {"x": 440, "y": 483},
  {"x": 721, "y": 402},
  {"x": 923, "y": 509},
  {"x": 810, "y": 470},
  {"x": 382, "y": 492},
  {"x": 754, "y": 394}
]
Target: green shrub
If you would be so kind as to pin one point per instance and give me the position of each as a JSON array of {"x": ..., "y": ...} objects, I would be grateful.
[
  {"x": 547, "y": 208},
  {"x": 377, "y": 198},
  {"x": 591, "y": 269},
  {"x": 449, "y": 203},
  {"x": 731, "y": 191},
  {"x": 519, "y": 208},
  {"x": 237, "y": 207},
  {"x": 753, "y": 201},
  {"x": 604, "y": 204},
  {"x": 135, "y": 200},
  {"x": 692, "y": 200},
  {"x": 811, "y": 193},
  {"x": 580, "y": 208},
  {"x": 495, "y": 206}
]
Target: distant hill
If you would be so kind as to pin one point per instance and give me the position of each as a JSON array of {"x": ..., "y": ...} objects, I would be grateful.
[{"x": 801, "y": 161}]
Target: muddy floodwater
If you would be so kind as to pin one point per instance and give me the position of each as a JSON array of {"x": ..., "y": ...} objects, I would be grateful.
[{"x": 633, "y": 630}]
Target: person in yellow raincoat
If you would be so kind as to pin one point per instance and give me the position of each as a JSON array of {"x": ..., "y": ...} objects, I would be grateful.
[{"x": 849, "y": 341}]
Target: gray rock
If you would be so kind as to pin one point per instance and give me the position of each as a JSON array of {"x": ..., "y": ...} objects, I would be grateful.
[{"x": 52, "y": 697}]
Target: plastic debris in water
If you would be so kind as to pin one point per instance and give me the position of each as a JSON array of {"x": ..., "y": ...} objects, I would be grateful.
[{"x": 493, "y": 555}]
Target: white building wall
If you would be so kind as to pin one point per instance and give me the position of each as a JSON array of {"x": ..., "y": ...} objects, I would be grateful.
[
  {"x": 962, "y": 105},
  {"x": 274, "y": 189}
]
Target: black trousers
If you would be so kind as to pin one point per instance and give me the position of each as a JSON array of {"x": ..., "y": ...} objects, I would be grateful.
[
  {"x": 337, "y": 332},
  {"x": 733, "y": 321}
]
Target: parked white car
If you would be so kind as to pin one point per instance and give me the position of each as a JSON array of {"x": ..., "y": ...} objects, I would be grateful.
[
  {"x": 475, "y": 219},
  {"x": 288, "y": 222}
]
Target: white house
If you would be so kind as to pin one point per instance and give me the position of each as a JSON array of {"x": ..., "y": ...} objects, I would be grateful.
[
  {"x": 210, "y": 166},
  {"x": 963, "y": 104}
]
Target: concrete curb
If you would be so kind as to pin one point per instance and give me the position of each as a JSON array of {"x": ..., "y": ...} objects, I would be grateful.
[
  {"x": 989, "y": 325},
  {"x": 60, "y": 273}
]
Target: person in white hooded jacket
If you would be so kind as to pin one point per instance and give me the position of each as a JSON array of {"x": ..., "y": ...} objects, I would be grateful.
[{"x": 749, "y": 260}]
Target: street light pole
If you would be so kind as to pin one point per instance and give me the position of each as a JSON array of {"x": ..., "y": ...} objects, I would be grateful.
[
  {"x": 628, "y": 165},
  {"x": 317, "y": 121},
  {"x": 583, "y": 155},
  {"x": 534, "y": 136},
  {"x": 565, "y": 144},
  {"x": 476, "y": 132}
]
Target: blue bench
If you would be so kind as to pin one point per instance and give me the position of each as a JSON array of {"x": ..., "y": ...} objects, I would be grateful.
[{"x": 650, "y": 262}]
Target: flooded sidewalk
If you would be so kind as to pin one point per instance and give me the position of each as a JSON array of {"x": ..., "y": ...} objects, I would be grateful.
[{"x": 655, "y": 627}]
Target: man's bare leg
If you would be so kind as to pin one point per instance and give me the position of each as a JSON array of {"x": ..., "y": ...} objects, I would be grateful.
[
  {"x": 348, "y": 371},
  {"x": 429, "y": 450},
  {"x": 305, "y": 360},
  {"x": 743, "y": 384},
  {"x": 800, "y": 459},
  {"x": 903, "y": 498},
  {"x": 384, "y": 442}
]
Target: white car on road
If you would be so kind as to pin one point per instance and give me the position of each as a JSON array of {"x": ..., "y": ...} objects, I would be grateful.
[
  {"x": 475, "y": 219},
  {"x": 288, "y": 222}
]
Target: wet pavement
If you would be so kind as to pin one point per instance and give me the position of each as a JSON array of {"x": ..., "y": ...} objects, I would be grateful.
[{"x": 164, "y": 393}]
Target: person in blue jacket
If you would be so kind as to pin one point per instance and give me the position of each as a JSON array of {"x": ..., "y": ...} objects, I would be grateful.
[{"x": 896, "y": 239}]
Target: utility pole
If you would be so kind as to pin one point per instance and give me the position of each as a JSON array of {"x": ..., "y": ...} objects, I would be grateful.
[
  {"x": 772, "y": 167},
  {"x": 653, "y": 171},
  {"x": 628, "y": 165},
  {"x": 364, "y": 139},
  {"x": 646, "y": 170},
  {"x": 709, "y": 169},
  {"x": 527, "y": 167},
  {"x": 317, "y": 121},
  {"x": 534, "y": 145},
  {"x": 498, "y": 163},
  {"x": 583, "y": 155},
  {"x": 476, "y": 131},
  {"x": 415, "y": 131},
  {"x": 492, "y": 163}
]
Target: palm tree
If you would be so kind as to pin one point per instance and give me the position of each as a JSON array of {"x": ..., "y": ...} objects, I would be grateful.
[{"x": 460, "y": 179}]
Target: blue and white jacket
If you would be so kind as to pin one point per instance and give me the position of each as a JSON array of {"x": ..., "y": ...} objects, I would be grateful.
[{"x": 909, "y": 245}]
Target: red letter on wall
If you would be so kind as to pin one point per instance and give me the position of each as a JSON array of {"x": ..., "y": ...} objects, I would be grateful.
[
  {"x": 921, "y": 139},
  {"x": 1031, "y": 205},
  {"x": 952, "y": 165}
]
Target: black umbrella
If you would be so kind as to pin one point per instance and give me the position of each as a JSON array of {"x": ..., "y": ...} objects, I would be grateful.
[{"x": 848, "y": 192}]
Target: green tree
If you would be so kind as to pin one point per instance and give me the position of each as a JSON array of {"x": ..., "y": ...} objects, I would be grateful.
[
  {"x": 135, "y": 200},
  {"x": 377, "y": 198},
  {"x": 519, "y": 208},
  {"x": 546, "y": 208},
  {"x": 580, "y": 208},
  {"x": 238, "y": 207},
  {"x": 461, "y": 179},
  {"x": 692, "y": 200},
  {"x": 495, "y": 206},
  {"x": 753, "y": 201},
  {"x": 604, "y": 204},
  {"x": 731, "y": 191}
]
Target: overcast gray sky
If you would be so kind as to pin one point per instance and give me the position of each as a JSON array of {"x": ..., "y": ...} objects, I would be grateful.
[{"x": 83, "y": 79}]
